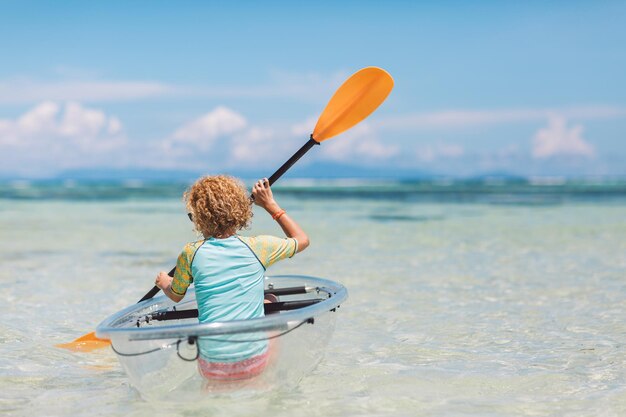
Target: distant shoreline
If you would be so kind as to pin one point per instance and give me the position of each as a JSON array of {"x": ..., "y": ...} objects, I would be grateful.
[{"x": 534, "y": 191}]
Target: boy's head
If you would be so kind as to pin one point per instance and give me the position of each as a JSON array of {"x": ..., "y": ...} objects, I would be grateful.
[{"x": 219, "y": 205}]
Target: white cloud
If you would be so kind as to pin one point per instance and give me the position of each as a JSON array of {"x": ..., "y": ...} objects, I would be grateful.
[
  {"x": 558, "y": 140},
  {"x": 254, "y": 146},
  {"x": 304, "y": 128},
  {"x": 224, "y": 138},
  {"x": 82, "y": 122},
  {"x": 203, "y": 131},
  {"x": 114, "y": 126},
  {"x": 55, "y": 136},
  {"x": 297, "y": 86},
  {"x": 430, "y": 153},
  {"x": 83, "y": 86},
  {"x": 465, "y": 118},
  {"x": 358, "y": 144},
  {"x": 242, "y": 145},
  {"x": 39, "y": 120},
  {"x": 49, "y": 119},
  {"x": 22, "y": 90}
]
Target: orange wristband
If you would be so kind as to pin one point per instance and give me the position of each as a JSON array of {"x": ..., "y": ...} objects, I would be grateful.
[{"x": 277, "y": 215}]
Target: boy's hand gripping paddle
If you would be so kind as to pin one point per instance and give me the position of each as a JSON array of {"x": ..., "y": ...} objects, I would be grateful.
[{"x": 356, "y": 99}]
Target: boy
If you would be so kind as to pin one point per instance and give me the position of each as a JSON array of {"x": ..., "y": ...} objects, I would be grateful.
[{"x": 228, "y": 270}]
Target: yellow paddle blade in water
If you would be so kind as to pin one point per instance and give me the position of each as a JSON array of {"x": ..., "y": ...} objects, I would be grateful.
[
  {"x": 86, "y": 343},
  {"x": 356, "y": 99}
]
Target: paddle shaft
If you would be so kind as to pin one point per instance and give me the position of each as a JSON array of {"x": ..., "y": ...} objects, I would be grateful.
[
  {"x": 155, "y": 289},
  {"x": 296, "y": 156},
  {"x": 275, "y": 176}
]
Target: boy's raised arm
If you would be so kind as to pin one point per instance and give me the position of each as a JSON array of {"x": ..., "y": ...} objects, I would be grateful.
[{"x": 264, "y": 198}]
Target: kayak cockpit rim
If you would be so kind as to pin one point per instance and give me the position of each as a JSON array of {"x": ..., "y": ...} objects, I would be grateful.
[{"x": 111, "y": 326}]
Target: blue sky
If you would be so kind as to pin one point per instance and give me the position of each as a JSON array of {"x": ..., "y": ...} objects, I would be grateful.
[{"x": 530, "y": 88}]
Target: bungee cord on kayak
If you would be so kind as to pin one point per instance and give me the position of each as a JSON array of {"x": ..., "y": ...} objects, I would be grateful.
[{"x": 192, "y": 341}]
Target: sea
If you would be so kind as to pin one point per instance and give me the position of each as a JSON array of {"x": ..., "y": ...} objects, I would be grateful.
[{"x": 480, "y": 297}]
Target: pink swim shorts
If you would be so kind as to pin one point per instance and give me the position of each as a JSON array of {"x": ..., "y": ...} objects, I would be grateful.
[{"x": 230, "y": 371}]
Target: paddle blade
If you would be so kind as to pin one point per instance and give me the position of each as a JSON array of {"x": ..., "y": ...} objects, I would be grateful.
[
  {"x": 86, "y": 343},
  {"x": 356, "y": 99}
]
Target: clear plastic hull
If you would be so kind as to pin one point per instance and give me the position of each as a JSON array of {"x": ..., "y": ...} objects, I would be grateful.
[{"x": 159, "y": 356}]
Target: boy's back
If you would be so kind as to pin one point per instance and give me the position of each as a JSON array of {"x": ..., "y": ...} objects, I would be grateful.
[{"x": 228, "y": 279}]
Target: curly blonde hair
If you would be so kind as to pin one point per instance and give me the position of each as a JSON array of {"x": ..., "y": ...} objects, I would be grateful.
[{"x": 219, "y": 205}]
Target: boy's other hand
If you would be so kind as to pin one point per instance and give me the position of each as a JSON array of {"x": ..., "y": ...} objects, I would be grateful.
[{"x": 163, "y": 280}]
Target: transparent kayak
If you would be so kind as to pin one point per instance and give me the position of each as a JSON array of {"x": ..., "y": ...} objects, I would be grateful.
[{"x": 156, "y": 341}]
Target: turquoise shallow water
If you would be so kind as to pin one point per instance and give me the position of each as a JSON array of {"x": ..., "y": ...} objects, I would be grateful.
[{"x": 465, "y": 302}]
